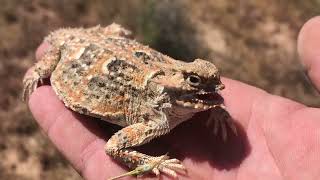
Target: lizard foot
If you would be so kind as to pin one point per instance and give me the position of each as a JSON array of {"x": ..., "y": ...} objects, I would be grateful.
[
  {"x": 30, "y": 83},
  {"x": 156, "y": 165}
]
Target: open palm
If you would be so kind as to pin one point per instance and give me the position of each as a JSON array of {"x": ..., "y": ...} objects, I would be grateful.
[{"x": 277, "y": 139}]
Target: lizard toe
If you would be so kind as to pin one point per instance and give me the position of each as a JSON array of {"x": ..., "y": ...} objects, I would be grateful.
[{"x": 30, "y": 83}]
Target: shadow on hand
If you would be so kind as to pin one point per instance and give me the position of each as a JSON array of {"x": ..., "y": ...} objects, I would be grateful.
[{"x": 193, "y": 139}]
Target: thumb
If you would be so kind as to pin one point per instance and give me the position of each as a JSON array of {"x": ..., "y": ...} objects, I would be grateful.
[{"x": 309, "y": 49}]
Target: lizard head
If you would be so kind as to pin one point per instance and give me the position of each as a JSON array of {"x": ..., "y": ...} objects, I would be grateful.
[{"x": 194, "y": 86}]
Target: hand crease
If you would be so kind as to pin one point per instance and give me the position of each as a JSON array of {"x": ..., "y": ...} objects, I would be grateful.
[
  {"x": 52, "y": 124},
  {"x": 88, "y": 152}
]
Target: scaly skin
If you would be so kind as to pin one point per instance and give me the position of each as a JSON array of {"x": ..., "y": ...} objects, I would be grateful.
[{"x": 101, "y": 73}]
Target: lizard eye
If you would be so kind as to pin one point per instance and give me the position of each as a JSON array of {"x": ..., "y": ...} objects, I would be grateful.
[{"x": 194, "y": 80}]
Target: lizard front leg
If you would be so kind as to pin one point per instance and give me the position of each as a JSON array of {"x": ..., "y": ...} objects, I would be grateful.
[
  {"x": 41, "y": 70},
  {"x": 135, "y": 135}
]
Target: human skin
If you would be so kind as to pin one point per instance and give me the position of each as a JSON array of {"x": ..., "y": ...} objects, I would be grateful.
[{"x": 277, "y": 138}]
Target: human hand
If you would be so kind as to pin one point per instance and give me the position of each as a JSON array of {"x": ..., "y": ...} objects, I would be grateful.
[{"x": 278, "y": 138}]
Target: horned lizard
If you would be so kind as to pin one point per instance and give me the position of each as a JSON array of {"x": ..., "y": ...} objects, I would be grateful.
[{"x": 102, "y": 72}]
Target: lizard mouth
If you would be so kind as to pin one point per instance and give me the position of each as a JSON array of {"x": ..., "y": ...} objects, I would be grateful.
[{"x": 200, "y": 100}]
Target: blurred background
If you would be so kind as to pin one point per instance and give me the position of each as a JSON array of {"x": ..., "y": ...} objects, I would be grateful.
[{"x": 249, "y": 40}]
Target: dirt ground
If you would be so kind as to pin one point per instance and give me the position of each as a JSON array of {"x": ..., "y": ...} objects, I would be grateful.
[{"x": 249, "y": 40}]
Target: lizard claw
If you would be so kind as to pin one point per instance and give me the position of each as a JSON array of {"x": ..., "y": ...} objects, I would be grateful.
[
  {"x": 30, "y": 83},
  {"x": 156, "y": 165},
  {"x": 170, "y": 167}
]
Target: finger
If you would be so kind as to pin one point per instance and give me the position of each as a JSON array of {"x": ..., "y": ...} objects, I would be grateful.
[
  {"x": 41, "y": 50},
  {"x": 239, "y": 99},
  {"x": 39, "y": 53},
  {"x": 79, "y": 139},
  {"x": 242, "y": 100},
  {"x": 309, "y": 49}
]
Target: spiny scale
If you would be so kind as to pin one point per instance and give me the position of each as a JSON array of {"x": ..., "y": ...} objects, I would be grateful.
[{"x": 103, "y": 73}]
